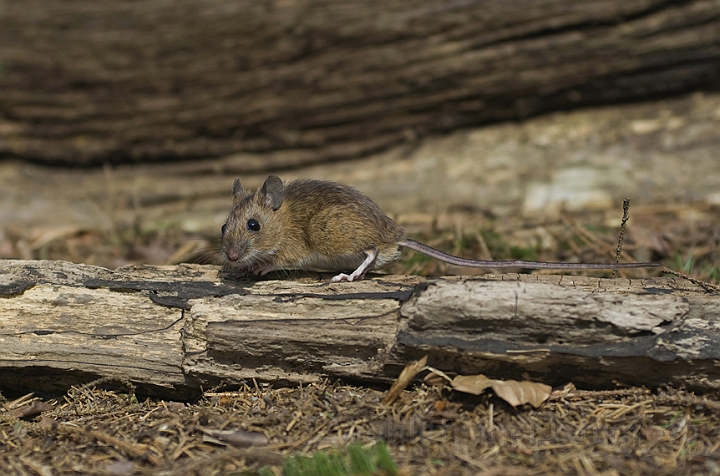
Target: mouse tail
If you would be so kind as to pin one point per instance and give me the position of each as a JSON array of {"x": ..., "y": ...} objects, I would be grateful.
[{"x": 471, "y": 263}]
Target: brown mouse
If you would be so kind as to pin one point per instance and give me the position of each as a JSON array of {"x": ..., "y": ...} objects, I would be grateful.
[{"x": 326, "y": 226}]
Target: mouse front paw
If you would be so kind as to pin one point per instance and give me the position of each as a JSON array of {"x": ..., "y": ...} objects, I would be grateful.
[{"x": 262, "y": 270}]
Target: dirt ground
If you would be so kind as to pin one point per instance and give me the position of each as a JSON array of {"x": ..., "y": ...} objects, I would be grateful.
[
  {"x": 473, "y": 193},
  {"x": 627, "y": 431},
  {"x": 105, "y": 428}
]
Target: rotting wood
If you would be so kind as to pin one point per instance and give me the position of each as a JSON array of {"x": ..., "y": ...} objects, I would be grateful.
[
  {"x": 175, "y": 330},
  {"x": 317, "y": 81}
]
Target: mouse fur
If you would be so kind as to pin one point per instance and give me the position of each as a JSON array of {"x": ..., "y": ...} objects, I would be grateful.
[
  {"x": 326, "y": 226},
  {"x": 307, "y": 225}
]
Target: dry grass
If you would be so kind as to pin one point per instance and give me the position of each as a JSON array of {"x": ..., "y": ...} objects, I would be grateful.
[
  {"x": 685, "y": 238},
  {"x": 428, "y": 431}
]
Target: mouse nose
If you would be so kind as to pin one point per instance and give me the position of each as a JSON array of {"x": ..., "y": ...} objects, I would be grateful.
[{"x": 233, "y": 254}]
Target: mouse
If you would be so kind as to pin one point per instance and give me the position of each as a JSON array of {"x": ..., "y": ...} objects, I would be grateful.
[{"x": 317, "y": 225}]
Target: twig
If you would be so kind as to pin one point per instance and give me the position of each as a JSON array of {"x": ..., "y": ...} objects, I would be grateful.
[
  {"x": 621, "y": 235},
  {"x": 706, "y": 286},
  {"x": 131, "y": 388}
]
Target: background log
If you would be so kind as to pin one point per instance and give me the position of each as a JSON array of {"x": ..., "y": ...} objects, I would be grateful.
[
  {"x": 84, "y": 82},
  {"x": 176, "y": 330}
]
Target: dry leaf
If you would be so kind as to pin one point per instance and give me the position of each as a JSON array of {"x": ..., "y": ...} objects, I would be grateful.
[
  {"x": 518, "y": 393},
  {"x": 434, "y": 380},
  {"x": 47, "y": 423},
  {"x": 437, "y": 378},
  {"x": 30, "y": 410},
  {"x": 405, "y": 377},
  {"x": 239, "y": 438},
  {"x": 475, "y": 384},
  {"x": 514, "y": 392}
]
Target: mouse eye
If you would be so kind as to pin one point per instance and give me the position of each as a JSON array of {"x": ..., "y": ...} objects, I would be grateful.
[
  {"x": 253, "y": 225},
  {"x": 223, "y": 229}
]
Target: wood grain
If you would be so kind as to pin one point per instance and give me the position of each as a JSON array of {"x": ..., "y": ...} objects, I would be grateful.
[
  {"x": 178, "y": 329},
  {"x": 91, "y": 83}
]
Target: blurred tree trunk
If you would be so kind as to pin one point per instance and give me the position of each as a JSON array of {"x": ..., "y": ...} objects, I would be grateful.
[{"x": 85, "y": 82}]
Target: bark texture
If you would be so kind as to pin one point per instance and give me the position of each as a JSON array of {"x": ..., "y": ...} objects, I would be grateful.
[
  {"x": 85, "y": 82},
  {"x": 175, "y": 330}
]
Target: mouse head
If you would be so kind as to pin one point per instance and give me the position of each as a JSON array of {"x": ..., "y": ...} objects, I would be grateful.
[{"x": 251, "y": 234}]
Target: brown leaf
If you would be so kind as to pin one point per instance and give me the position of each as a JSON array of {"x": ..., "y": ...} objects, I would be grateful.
[
  {"x": 239, "y": 438},
  {"x": 404, "y": 379},
  {"x": 514, "y": 392},
  {"x": 518, "y": 393},
  {"x": 434, "y": 380},
  {"x": 474, "y": 384},
  {"x": 33, "y": 409},
  {"x": 48, "y": 423}
]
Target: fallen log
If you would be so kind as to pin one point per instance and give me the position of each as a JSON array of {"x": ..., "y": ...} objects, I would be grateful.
[
  {"x": 88, "y": 83},
  {"x": 176, "y": 330}
]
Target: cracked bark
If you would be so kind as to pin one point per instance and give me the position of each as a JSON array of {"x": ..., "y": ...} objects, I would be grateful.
[{"x": 175, "y": 330}]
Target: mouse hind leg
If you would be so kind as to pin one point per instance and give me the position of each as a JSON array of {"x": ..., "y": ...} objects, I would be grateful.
[{"x": 359, "y": 273}]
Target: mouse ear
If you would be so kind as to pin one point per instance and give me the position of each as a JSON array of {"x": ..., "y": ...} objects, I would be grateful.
[
  {"x": 237, "y": 188},
  {"x": 272, "y": 190}
]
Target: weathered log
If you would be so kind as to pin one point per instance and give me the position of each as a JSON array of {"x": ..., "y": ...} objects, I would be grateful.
[
  {"x": 84, "y": 82},
  {"x": 175, "y": 330}
]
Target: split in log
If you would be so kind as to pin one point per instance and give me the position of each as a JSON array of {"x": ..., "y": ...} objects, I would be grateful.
[{"x": 176, "y": 330}]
